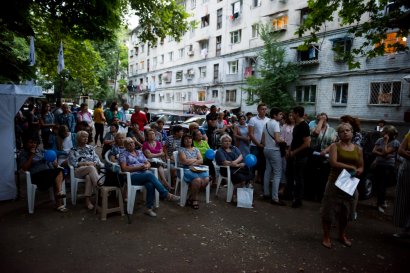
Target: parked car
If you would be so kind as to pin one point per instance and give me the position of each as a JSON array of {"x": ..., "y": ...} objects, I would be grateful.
[{"x": 200, "y": 119}]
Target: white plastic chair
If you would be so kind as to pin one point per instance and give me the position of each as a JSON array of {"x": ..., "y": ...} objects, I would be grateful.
[
  {"x": 74, "y": 184},
  {"x": 184, "y": 185},
  {"x": 132, "y": 191},
  {"x": 31, "y": 193},
  {"x": 227, "y": 178}
]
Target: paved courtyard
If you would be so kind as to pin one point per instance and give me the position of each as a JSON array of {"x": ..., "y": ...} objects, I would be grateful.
[{"x": 216, "y": 238}]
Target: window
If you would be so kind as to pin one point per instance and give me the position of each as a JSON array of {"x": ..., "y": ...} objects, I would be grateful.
[
  {"x": 255, "y": 31},
  {"x": 147, "y": 65},
  {"x": 233, "y": 67},
  {"x": 236, "y": 9},
  {"x": 190, "y": 74},
  {"x": 131, "y": 70},
  {"x": 170, "y": 56},
  {"x": 340, "y": 92},
  {"x": 192, "y": 28},
  {"x": 385, "y": 93},
  {"x": 193, "y": 4},
  {"x": 303, "y": 15},
  {"x": 170, "y": 39},
  {"x": 203, "y": 45},
  {"x": 230, "y": 96},
  {"x": 236, "y": 36},
  {"x": 152, "y": 97},
  {"x": 202, "y": 72},
  {"x": 219, "y": 19},
  {"x": 392, "y": 40},
  {"x": 305, "y": 94},
  {"x": 160, "y": 79},
  {"x": 131, "y": 53},
  {"x": 167, "y": 97},
  {"x": 201, "y": 95},
  {"x": 161, "y": 59},
  {"x": 216, "y": 71},
  {"x": 178, "y": 96},
  {"x": 167, "y": 77},
  {"x": 190, "y": 50},
  {"x": 181, "y": 53},
  {"x": 205, "y": 21},
  {"x": 218, "y": 45},
  {"x": 142, "y": 65},
  {"x": 280, "y": 23},
  {"x": 178, "y": 76},
  {"x": 154, "y": 62},
  {"x": 136, "y": 51},
  {"x": 182, "y": 3},
  {"x": 340, "y": 47},
  {"x": 214, "y": 93},
  {"x": 309, "y": 56},
  {"x": 256, "y": 3},
  {"x": 142, "y": 48},
  {"x": 204, "y": 1}
]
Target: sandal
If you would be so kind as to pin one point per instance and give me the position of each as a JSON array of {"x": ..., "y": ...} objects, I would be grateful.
[
  {"x": 194, "y": 204},
  {"x": 62, "y": 209},
  {"x": 61, "y": 195}
]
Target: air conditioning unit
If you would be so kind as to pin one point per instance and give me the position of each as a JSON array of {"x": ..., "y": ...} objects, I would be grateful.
[{"x": 191, "y": 53}]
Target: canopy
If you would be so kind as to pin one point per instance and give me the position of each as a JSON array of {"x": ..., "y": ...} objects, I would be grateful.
[{"x": 12, "y": 97}]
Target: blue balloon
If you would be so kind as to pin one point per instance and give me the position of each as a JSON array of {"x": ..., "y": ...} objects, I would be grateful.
[
  {"x": 250, "y": 160},
  {"x": 50, "y": 155},
  {"x": 210, "y": 154}
]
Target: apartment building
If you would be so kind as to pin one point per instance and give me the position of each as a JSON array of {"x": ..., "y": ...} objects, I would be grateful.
[{"x": 211, "y": 62}]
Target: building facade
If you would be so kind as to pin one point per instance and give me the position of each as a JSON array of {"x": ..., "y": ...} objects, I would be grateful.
[{"x": 211, "y": 62}]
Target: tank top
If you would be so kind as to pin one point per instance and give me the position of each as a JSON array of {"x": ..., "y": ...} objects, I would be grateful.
[{"x": 347, "y": 157}]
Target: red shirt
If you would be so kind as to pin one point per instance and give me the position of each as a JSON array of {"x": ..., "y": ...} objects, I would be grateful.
[{"x": 140, "y": 119}]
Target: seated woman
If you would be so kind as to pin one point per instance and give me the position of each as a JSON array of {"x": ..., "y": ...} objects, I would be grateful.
[
  {"x": 203, "y": 146},
  {"x": 228, "y": 155},
  {"x": 153, "y": 152},
  {"x": 189, "y": 156},
  {"x": 43, "y": 174},
  {"x": 109, "y": 138},
  {"x": 85, "y": 161},
  {"x": 117, "y": 148},
  {"x": 194, "y": 127},
  {"x": 136, "y": 135},
  {"x": 134, "y": 161}
]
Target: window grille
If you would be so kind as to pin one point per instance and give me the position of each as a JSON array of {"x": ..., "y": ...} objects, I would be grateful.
[{"x": 385, "y": 93}]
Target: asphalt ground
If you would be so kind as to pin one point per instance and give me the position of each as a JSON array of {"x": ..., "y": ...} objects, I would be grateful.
[{"x": 218, "y": 237}]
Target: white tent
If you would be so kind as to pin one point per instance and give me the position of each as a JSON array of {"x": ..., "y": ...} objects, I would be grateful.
[{"x": 12, "y": 97}]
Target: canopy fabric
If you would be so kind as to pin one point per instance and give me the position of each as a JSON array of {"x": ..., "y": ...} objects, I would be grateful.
[{"x": 12, "y": 97}]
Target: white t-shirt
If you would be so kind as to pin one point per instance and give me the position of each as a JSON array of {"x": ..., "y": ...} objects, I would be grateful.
[
  {"x": 257, "y": 123},
  {"x": 273, "y": 127}
]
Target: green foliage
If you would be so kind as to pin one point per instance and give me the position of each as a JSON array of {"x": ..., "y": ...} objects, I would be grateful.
[
  {"x": 351, "y": 13},
  {"x": 275, "y": 74},
  {"x": 92, "y": 35}
]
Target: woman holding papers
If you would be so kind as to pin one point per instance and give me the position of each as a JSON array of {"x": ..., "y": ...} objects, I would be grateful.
[
  {"x": 197, "y": 178},
  {"x": 337, "y": 205}
]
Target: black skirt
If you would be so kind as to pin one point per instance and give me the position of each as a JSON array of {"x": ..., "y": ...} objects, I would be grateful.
[{"x": 45, "y": 179}]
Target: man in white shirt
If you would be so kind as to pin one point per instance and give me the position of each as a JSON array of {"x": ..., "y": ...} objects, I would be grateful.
[{"x": 255, "y": 129}]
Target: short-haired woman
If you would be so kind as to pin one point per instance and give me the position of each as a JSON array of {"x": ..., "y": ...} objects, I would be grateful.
[
  {"x": 336, "y": 204},
  {"x": 190, "y": 156},
  {"x": 134, "y": 161},
  {"x": 85, "y": 161}
]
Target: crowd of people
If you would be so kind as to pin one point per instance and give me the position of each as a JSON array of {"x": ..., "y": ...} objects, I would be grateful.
[{"x": 297, "y": 159}]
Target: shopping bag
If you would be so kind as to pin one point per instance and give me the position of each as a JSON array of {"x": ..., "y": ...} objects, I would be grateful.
[
  {"x": 245, "y": 198},
  {"x": 346, "y": 182}
]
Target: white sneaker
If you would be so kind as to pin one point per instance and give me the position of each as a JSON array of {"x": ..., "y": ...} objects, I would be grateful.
[
  {"x": 380, "y": 209},
  {"x": 150, "y": 212}
]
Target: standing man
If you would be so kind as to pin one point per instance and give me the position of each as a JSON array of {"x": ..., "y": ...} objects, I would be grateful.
[
  {"x": 255, "y": 130},
  {"x": 123, "y": 114},
  {"x": 298, "y": 153},
  {"x": 99, "y": 120},
  {"x": 147, "y": 114},
  {"x": 139, "y": 118}
]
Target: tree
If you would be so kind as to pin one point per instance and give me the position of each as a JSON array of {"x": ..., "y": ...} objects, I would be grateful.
[
  {"x": 275, "y": 74},
  {"x": 368, "y": 19},
  {"x": 78, "y": 20}
]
